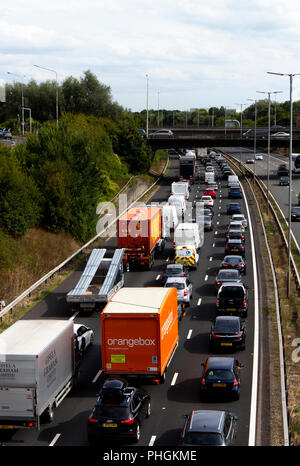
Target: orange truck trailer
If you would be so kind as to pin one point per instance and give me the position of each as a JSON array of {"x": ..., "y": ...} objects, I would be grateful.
[
  {"x": 139, "y": 328},
  {"x": 140, "y": 234}
]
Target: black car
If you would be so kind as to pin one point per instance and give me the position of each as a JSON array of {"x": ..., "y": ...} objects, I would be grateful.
[
  {"x": 235, "y": 246},
  {"x": 282, "y": 170},
  {"x": 119, "y": 411},
  {"x": 232, "y": 299},
  {"x": 227, "y": 275},
  {"x": 284, "y": 180},
  {"x": 221, "y": 377},
  {"x": 295, "y": 213},
  {"x": 235, "y": 234},
  {"x": 209, "y": 428},
  {"x": 175, "y": 270},
  {"x": 227, "y": 333},
  {"x": 234, "y": 262}
]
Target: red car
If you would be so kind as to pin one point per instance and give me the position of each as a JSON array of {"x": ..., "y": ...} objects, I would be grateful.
[{"x": 210, "y": 192}]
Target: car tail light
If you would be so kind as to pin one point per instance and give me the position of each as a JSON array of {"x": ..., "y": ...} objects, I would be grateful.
[
  {"x": 185, "y": 292},
  {"x": 174, "y": 245},
  {"x": 235, "y": 383},
  {"x": 219, "y": 283},
  {"x": 128, "y": 421},
  {"x": 217, "y": 302},
  {"x": 203, "y": 381},
  {"x": 91, "y": 420},
  {"x": 215, "y": 336},
  {"x": 239, "y": 335},
  {"x": 30, "y": 424},
  {"x": 245, "y": 303}
]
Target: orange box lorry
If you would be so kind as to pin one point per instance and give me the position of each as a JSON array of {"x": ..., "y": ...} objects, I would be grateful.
[
  {"x": 139, "y": 231},
  {"x": 139, "y": 329}
]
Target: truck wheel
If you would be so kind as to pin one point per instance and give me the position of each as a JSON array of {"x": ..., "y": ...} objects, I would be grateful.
[
  {"x": 148, "y": 409},
  {"x": 162, "y": 378},
  {"x": 48, "y": 414}
]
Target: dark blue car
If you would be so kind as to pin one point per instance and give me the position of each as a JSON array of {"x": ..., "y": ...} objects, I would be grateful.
[
  {"x": 221, "y": 377},
  {"x": 235, "y": 192},
  {"x": 233, "y": 208}
]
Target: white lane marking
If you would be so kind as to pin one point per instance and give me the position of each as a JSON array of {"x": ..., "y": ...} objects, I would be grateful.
[
  {"x": 174, "y": 378},
  {"x": 216, "y": 232},
  {"x": 214, "y": 245},
  {"x": 218, "y": 223},
  {"x": 205, "y": 278},
  {"x": 199, "y": 301},
  {"x": 74, "y": 315},
  {"x": 158, "y": 277},
  {"x": 152, "y": 440},
  {"x": 210, "y": 259},
  {"x": 189, "y": 334},
  {"x": 54, "y": 440},
  {"x": 167, "y": 260},
  {"x": 97, "y": 376}
]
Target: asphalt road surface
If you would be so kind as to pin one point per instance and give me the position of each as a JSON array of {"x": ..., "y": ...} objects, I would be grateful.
[{"x": 180, "y": 393}]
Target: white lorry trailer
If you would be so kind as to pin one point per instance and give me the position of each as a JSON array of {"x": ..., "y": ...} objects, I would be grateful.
[{"x": 39, "y": 365}]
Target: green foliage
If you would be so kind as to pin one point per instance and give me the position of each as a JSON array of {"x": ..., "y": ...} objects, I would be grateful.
[
  {"x": 75, "y": 168},
  {"x": 131, "y": 147},
  {"x": 19, "y": 197}
]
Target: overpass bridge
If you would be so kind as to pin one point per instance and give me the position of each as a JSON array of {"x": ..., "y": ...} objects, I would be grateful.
[{"x": 210, "y": 137}]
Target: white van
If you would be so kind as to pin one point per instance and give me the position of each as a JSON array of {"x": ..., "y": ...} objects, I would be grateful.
[
  {"x": 233, "y": 180},
  {"x": 187, "y": 234},
  {"x": 169, "y": 219},
  {"x": 209, "y": 177},
  {"x": 180, "y": 189},
  {"x": 179, "y": 203}
]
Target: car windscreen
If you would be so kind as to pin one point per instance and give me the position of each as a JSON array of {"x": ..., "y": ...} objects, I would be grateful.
[
  {"x": 232, "y": 292},
  {"x": 203, "y": 438}
]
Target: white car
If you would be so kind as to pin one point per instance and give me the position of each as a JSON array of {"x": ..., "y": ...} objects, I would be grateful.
[
  {"x": 85, "y": 336},
  {"x": 281, "y": 134},
  {"x": 184, "y": 288},
  {"x": 235, "y": 225},
  {"x": 240, "y": 218},
  {"x": 207, "y": 200},
  {"x": 259, "y": 157}
]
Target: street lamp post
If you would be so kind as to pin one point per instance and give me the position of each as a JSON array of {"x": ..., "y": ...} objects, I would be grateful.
[
  {"x": 52, "y": 71},
  {"x": 290, "y": 173},
  {"x": 269, "y": 138},
  {"x": 255, "y": 118},
  {"x": 22, "y": 98},
  {"x": 147, "y": 107},
  {"x": 241, "y": 132}
]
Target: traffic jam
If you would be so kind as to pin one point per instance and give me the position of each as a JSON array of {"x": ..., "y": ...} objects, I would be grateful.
[{"x": 170, "y": 309}]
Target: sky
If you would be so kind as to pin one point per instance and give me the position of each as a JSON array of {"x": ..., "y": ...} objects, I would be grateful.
[{"x": 196, "y": 53}]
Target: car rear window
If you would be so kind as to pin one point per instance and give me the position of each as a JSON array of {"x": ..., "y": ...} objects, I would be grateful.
[
  {"x": 111, "y": 412},
  {"x": 232, "y": 292},
  {"x": 228, "y": 275},
  {"x": 227, "y": 326},
  {"x": 221, "y": 374},
  {"x": 179, "y": 286}
]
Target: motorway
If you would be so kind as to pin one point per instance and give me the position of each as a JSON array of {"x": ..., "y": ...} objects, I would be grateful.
[
  {"x": 280, "y": 193},
  {"x": 180, "y": 393}
]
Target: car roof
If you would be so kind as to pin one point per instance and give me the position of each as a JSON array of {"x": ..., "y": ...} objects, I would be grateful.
[
  {"x": 206, "y": 420},
  {"x": 229, "y": 284},
  {"x": 232, "y": 318}
]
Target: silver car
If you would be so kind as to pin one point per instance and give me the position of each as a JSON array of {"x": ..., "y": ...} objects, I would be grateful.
[
  {"x": 184, "y": 288},
  {"x": 240, "y": 218}
]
